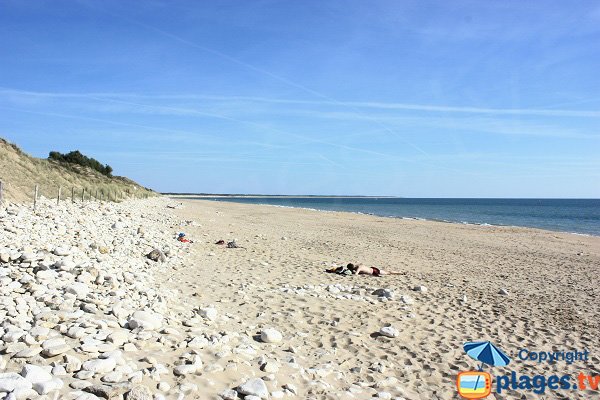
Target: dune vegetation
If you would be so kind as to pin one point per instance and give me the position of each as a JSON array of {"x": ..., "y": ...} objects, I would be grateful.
[{"x": 20, "y": 173}]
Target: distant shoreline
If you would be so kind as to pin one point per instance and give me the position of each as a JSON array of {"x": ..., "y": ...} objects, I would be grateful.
[
  {"x": 578, "y": 216},
  {"x": 318, "y": 196},
  {"x": 269, "y": 196}
]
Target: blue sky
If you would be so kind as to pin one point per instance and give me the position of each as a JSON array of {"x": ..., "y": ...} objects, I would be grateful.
[{"x": 406, "y": 98}]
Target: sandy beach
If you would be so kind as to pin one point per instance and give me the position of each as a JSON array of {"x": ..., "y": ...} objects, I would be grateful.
[
  {"x": 278, "y": 280},
  {"x": 88, "y": 313}
]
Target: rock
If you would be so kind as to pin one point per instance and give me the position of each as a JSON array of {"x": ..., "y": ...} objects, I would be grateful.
[
  {"x": 270, "y": 335},
  {"x": 187, "y": 387},
  {"x": 254, "y": 387},
  {"x": 199, "y": 342},
  {"x": 387, "y": 382},
  {"x": 378, "y": 367},
  {"x": 39, "y": 332},
  {"x": 78, "y": 385},
  {"x": 119, "y": 338},
  {"x": 157, "y": 255},
  {"x": 112, "y": 377},
  {"x": 53, "y": 342},
  {"x": 129, "y": 347},
  {"x": 79, "y": 289},
  {"x": 59, "y": 370},
  {"x": 407, "y": 299},
  {"x": 62, "y": 251},
  {"x": 333, "y": 289},
  {"x": 387, "y": 293},
  {"x": 229, "y": 394},
  {"x": 139, "y": 393},
  {"x": 146, "y": 320},
  {"x": 291, "y": 388},
  {"x": 72, "y": 363},
  {"x": 209, "y": 313},
  {"x": 65, "y": 265},
  {"x": 84, "y": 375},
  {"x": 186, "y": 369},
  {"x": 11, "y": 381},
  {"x": 76, "y": 332},
  {"x": 165, "y": 387},
  {"x": 117, "y": 225},
  {"x": 278, "y": 394},
  {"x": 389, "y": 331},
  {"x": 22, "y": 394},
  {"x": 56, "y": 350},
  {"x": 503, "y": 292},
  {"x": 100, "y": 365},
  {"x": 35, "y": 374},
  {"x": 108, "y": 391},
  {"x": 270, "y": 367},
  {"x": 28, "y": 352},
  {"x": 420, "y": 288},
  {"x": 27, "y": 257},
  {"x": 48, "y": 386},
  {"x": 13, "y": 336},
  {"x": 137, "y": 377}
]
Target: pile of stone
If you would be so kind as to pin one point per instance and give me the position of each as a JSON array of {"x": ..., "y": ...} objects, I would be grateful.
[{"x": 77, "y": 294}]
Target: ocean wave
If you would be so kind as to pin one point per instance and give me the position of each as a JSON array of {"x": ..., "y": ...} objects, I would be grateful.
[{"x": 415, "y": 218}]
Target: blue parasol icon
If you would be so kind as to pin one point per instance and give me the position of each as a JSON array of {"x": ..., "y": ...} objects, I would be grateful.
[{"x": 487, "y": 353}]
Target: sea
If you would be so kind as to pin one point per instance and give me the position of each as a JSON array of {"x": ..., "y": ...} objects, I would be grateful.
[{"x": 579, "y": 216}]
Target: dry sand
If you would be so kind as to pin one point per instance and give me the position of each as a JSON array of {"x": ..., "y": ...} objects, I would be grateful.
[{"x": 278, "y": 280}]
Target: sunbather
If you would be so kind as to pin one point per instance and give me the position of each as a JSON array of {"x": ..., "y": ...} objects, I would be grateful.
[{"x": 361, "y": 269}]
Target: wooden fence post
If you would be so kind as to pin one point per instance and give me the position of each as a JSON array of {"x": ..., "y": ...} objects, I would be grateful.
[
  {"x": 58, "y": 199},
  {"x": 73, "y": 194},
  {"x": 1, "y": 194},
  {"x": 35, "y": 196},
  {"x": 82, "y": 194}
]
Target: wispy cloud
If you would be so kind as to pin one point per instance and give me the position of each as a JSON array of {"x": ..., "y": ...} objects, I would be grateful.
[
  {"x": 446, "y": 109},
  {"x": 459, "y": 120}
]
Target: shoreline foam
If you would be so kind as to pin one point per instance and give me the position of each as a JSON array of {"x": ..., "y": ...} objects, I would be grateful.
[{"x": 398, "y": 217}]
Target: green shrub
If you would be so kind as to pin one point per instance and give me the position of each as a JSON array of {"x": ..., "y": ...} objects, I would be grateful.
[{"x": 75, "y": 157}]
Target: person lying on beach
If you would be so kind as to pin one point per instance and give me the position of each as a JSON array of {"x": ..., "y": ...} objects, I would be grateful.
[
  {"x": 182, "y": 238},
  {"x": 361, "y": 269}
]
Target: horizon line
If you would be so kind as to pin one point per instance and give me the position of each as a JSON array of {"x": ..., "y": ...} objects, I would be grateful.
[{"x": 368, "y": 196}]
